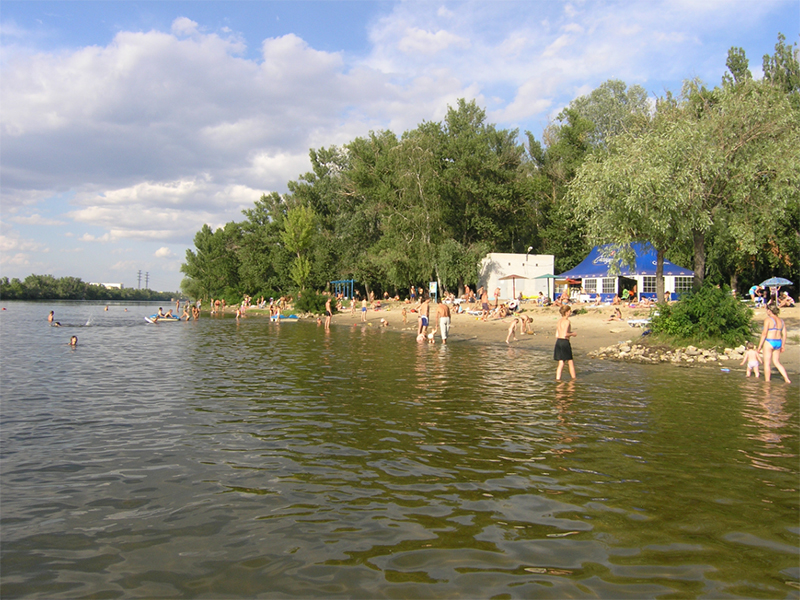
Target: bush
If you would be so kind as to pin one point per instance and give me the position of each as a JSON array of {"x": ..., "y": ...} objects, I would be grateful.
[
  {"x": 710, "y": 315},
  {"x": 311, "y": 302}
]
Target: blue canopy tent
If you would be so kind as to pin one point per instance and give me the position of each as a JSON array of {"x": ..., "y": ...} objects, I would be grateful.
[{"x": 596, "y": 267}]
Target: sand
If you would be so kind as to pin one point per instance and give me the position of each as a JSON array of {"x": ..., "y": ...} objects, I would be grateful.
[{"x": 592, "y": 328}]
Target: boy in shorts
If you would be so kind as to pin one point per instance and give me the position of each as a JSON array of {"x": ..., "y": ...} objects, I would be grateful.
[{"x": 563, "y": 350}]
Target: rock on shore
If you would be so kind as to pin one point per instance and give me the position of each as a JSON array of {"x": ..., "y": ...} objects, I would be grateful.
[{"x": 644, "y": 353}]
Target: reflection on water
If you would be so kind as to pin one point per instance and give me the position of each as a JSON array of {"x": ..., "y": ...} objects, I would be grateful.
[{"x": 244, "y": 459}]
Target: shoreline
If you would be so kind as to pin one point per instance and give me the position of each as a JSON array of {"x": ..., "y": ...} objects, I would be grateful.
[{"x": 593, "y": 331}]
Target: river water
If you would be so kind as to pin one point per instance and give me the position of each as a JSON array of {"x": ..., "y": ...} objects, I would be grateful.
[{"x": 220, "y": 459}]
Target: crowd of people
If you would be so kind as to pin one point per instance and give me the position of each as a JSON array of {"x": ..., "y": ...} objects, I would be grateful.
[{"x": 477, "y": 303}]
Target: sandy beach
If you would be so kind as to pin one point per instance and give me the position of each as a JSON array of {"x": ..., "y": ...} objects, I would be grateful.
[{"x": 593, "y": 330}]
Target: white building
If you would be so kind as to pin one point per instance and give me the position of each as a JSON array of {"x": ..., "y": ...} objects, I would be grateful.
[
  {"x": 498, "y": 265},
  {"x": 110, "y": 286}
]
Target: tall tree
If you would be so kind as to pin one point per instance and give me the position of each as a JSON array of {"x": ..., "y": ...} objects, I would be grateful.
[
  {"x": 731, "y": 153},
  {"x": 298, "y": 237},
  {"x": 738, "y": 67},
  {"x": 214, "y": 266},
  {"x": 782, "y": 69},
  {"x": 613, "y": 108}
]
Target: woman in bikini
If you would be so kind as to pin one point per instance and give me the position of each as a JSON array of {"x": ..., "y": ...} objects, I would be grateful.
[{"x": 773, "y": 342}]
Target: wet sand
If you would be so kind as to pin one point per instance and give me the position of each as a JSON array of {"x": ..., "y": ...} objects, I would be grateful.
[{"x": 593, "y": 331}]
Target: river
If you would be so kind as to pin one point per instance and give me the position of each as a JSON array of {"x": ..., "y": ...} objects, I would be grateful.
[{"x": 247, "y": 459}]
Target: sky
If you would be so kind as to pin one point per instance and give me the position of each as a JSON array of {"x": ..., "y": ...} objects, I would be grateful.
[{"x": 126, "y": 126}]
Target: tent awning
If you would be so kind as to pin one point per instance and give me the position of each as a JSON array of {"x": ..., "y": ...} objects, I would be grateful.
[{"x": 596, "y": 265}]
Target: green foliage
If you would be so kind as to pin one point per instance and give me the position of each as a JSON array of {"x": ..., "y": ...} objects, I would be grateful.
[
  {"x": 712, "y": 175},
  {"x": 711, "y": 315},
  {"x": 718, "y": 163},
  {"x": 782, "y": 70},
  {"x": 310, "y": 302},
  {"x": 47, "y": 287},
  {"x": 612, "y": 108},
  {"x": 232, "y": 296},
  {"x": 215, "y": 264}
]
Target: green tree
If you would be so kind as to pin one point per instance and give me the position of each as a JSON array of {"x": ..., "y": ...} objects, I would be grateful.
[
  {"x": 297, "y": 236},
  {"x": 214, "y": 266},
  {"x": 738, "y": 67},
  {"x": 730, "y": 154},
  {"x": 612, "y": 108},
  {"x": 782, "y": 69}
]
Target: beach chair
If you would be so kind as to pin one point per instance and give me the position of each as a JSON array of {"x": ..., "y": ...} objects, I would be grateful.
[{"x": 638, "y": 322}]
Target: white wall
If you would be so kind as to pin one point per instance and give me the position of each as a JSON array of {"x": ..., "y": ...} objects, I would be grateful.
[{"x": 497, "y": 265}]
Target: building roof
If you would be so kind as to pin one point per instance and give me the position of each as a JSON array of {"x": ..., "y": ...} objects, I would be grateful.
[{"x": 596, "y": 265}]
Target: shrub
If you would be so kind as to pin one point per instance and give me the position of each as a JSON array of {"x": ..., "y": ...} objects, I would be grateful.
[
  {"x": 311, "y": 302},
  {"x": 710, "y": 315}
]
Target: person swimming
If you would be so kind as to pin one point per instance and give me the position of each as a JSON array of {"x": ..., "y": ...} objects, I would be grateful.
[{"x": 73, "y": 341}]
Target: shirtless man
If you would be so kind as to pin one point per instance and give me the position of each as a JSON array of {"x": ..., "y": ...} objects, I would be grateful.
[
  {"x": 328, "y": 313},
  {"x": 424, "y": 311},
  {"x": 443, "y": 315},
  {"x": 563, "y": 350},
  {"x": 484, "y": 304}
]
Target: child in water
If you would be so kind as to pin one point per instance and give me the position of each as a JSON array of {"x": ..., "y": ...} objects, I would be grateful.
[
  {"x": 73, "y": 341},
  {"x": 752, "y": 358},
  {"x": 432, "y": 335},
  {"x": 512, "y": 330}
]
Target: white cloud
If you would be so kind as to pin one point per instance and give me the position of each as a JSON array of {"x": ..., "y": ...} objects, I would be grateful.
[
  {"x": 128, "y": 266},
  {"x": 87, "y": 237},
  {"x": 420, "y": 41},
  {"x": 11, "y": 242},
  {"x": 18, "y": 260},
  {"x": 184, "y": 27},
  {"x": 35, "y": 219},
  {"x": 166, "y": 211},
  {"x": 163, "y": 252}
]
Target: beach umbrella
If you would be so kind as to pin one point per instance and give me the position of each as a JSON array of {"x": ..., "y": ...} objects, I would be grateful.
[
  {"x": 513, "y": 279},
  {"x": 775, "y": 282},
  {"x": 548, "y": 277}
]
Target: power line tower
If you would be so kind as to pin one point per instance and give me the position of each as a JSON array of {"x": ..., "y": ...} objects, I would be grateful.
[
  {"x": 140, "y": 279},
  {"x": 147, "y": 280}
]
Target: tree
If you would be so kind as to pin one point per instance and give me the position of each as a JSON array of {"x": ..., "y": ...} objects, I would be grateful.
[
  {"x": 730, "y": 153},
  {"x": 782, "y": 70},
  {"x": 264, "y": 261},
  {"x": 297, "y": 236},
  {"x": 550, "y": 172},
  {"x": 612, "y": 108},
  {"x": 214, "y": 266},
  {"x": 738, "y": 66}
]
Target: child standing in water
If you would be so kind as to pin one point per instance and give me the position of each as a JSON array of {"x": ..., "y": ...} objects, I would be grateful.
[
  {"x": 512, "y": 330},
  {"x": 563, "y": 350},
  {"x": 752, "y": 358}
]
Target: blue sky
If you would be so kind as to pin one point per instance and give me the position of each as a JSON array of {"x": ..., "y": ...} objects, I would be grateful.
[{"x": 128, "y": 125}]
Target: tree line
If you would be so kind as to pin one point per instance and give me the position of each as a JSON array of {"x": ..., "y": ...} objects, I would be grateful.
[
  {"x": 709, "y": 177},
  {"x": 47, "y": 287}
]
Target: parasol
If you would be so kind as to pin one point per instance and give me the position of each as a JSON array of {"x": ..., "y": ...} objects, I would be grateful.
[
  {"x": 775, "y": 282},
  {"x": 513, "y": 279},
  {"x": 548, "y": 276}
]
